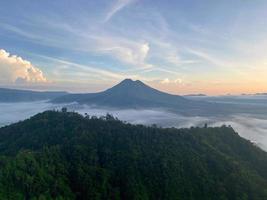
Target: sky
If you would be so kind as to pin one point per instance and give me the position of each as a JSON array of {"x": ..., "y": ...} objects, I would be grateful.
[{"x": 177, "y": 46}]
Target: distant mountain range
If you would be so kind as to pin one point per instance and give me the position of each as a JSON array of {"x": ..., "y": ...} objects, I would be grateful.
[
  {"x": 127, "y": 93},
  {"x": 137, "y": 95},
  {"x": 261, "y": 93},
  {"x": 195, "y": 95},
  {"x": 255, "y": 94},
  {"x": 130, "y": 94},
  {"x": 13, "y": 95}
]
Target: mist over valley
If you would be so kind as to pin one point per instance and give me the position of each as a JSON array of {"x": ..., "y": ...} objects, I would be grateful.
[{"x": 250, "y": 124}]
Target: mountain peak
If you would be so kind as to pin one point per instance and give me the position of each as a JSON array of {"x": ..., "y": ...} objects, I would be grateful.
[
  {"x": 130, "y": 83},
  {"x": 128, "y": 80}
]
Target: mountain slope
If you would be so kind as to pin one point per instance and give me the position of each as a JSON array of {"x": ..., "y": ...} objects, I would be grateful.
[
  {"x": 12, "y": 95},
  {"x": 61, "y": 155},
  {"x": 128, "y": 93}
]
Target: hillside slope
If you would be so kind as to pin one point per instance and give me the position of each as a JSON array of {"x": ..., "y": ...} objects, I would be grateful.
[
  {"x": 13, "y": 95},
  {"x": 62, "y": 155}
]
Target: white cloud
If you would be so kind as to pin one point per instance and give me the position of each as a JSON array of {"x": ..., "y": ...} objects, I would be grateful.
[
  {"x": 125, "y": 50},
  {"x": 13, "y": 69},
  {"x": 178, "y": 81},
  {"x": 165, "y": 81},
  {"x": 168, "y": 81},
  {"x": 116, "y": 7},
  {"x": 211, "y": 59}
]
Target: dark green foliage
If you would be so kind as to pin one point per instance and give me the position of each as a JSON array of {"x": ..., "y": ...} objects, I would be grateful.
[{"x": 63, "y": 155}]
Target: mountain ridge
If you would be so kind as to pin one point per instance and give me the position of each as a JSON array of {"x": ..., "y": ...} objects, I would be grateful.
[{"x": 16, "y": 95}]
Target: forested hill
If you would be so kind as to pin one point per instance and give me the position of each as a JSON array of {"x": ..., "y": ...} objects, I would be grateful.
[{"x": 63, "y": 155}]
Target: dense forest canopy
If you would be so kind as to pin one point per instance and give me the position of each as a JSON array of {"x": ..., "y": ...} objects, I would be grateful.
[{"x": 63, "y": 155}]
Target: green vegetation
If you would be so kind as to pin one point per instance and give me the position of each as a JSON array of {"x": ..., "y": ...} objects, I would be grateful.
[{"x": 63, "y": 155}]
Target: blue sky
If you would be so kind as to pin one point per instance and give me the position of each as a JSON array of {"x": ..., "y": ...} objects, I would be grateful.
[{"x": 179, "y": 46}]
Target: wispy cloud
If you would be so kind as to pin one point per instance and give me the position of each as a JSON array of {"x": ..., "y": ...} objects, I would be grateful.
[
  {"x": 85, "y": 68},
  {"x": 170, "y": 52},
  {"x": 215, "y": 60},
  {"x": 210, "y": 58},
  {"x": 18, "y": 31},
  {"x": 117, "y": 6},
  {"x": 31, "y": 34},
  {"x": 125, "y": 50},
  {"x": 135, "y": 55}
]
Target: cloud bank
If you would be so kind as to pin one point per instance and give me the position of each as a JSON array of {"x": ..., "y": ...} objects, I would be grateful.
[
  {"x": 251, "y": 127},
  {"x": 14, "y": 69}
]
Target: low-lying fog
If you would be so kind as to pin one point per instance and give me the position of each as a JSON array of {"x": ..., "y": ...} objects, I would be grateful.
[{"x": 249, "y": 126}]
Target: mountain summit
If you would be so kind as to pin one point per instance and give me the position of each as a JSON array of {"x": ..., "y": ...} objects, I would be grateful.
[
  {"x": 128, "y": 85},
  {"x": 127, "y": 94}
]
